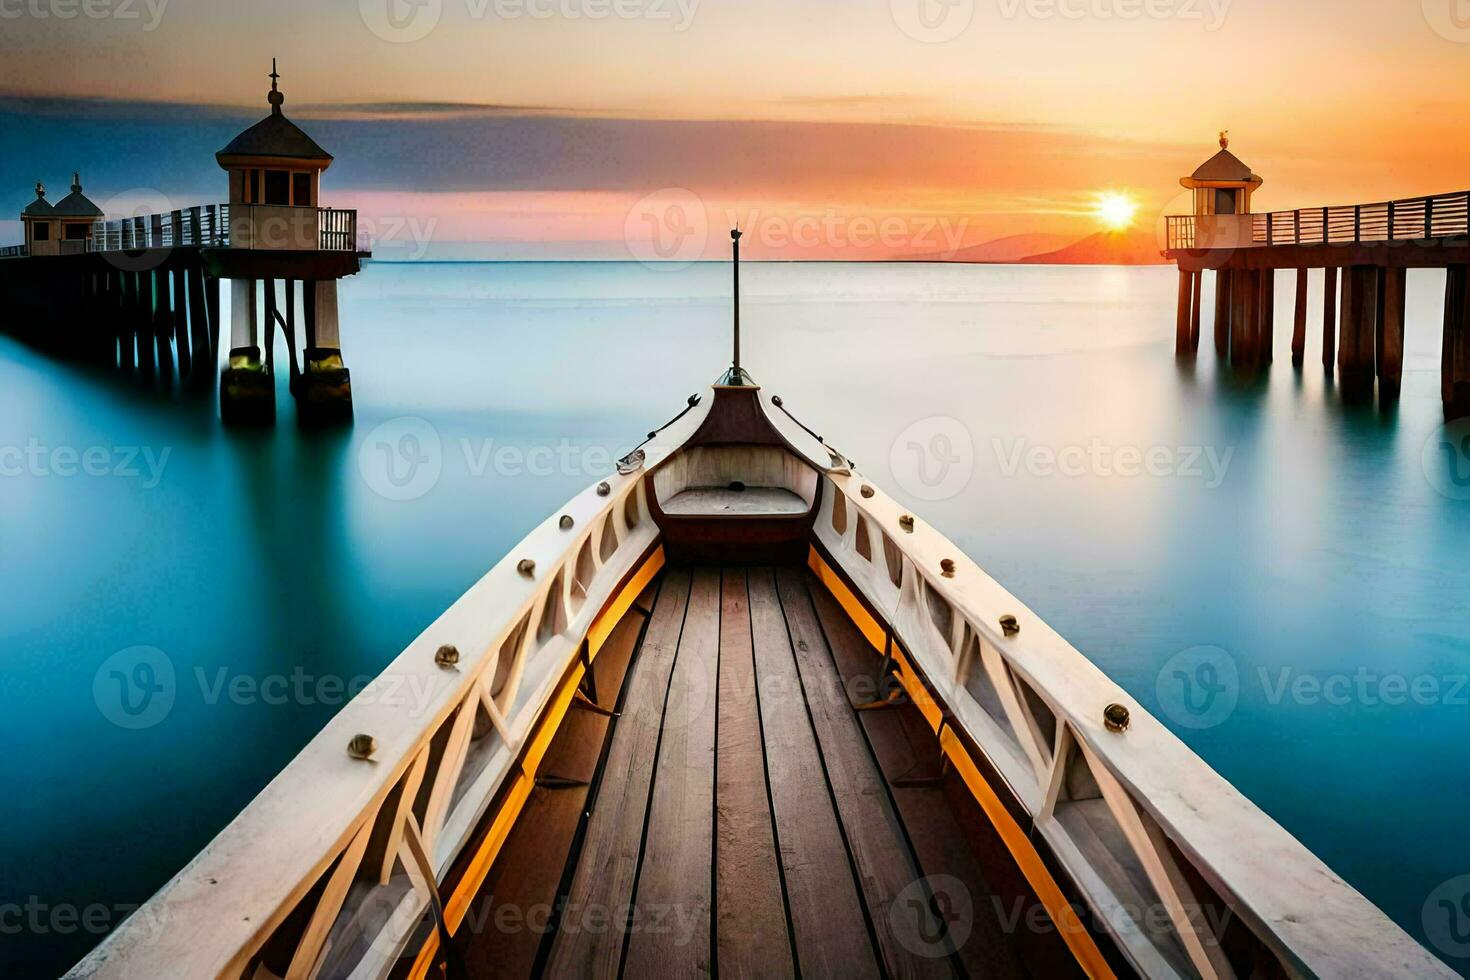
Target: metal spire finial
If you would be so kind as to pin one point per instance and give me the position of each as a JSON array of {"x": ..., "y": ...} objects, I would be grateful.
[
  {"x": 275, "y": 98},
  {"x": 1224, "y": 139}
]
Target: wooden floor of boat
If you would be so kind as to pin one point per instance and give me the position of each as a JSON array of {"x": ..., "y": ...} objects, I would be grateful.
[{"x": 738, "y": 816}]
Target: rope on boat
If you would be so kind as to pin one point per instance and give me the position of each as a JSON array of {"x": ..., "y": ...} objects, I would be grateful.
[
  {"x": 693, "y": 400},
  {"x": 837, "y": 456}
]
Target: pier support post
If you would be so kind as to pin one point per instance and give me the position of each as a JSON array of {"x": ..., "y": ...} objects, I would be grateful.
[
  {"x": 1299, "y": 320},
  {"x": 1246, "y": 321},
  {"x": 205, "y": 353},
  {"x": 246, "y": 390},
  {"x": 1390, "y": 338},
  {"x": 1359, "y": 324},
  {"x": 1223, "y": 290},
  {"x": 127, "y": 357},
  {"x": 1454, "y": 365},
  {"x": 162, "y": 322},
  {"x": 1198, "y": 289},
  {"x": 1266, "y": 345},
  {"x": 324, "y": 394},
  {"x": 179, "y": 299},
  {"x": 1329, "y": 318},
  {"x": 1182, "y": 314}
]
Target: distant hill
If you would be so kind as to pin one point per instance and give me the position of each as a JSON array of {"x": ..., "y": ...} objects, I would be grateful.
[
  {"x": 1012, "y": 248},
  {"x": 1104, "y": 248}
]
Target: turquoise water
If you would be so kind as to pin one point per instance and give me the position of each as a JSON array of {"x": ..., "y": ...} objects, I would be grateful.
[{"x": 1272, "y": 533}]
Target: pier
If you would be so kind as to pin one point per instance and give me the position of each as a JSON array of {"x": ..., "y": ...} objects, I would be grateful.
[
  {"x": 142, "y": 293},
  {"x": 1364, "y": 252}
]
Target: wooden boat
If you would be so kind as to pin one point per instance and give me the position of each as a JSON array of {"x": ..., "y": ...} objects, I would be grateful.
[{"x": 733, "y": 709}]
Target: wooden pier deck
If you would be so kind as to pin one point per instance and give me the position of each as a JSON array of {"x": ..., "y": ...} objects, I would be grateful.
[{"x": 740, "y": 816}]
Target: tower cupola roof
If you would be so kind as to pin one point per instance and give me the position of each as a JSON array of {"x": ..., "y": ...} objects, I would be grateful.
[
  {"x": 1223, "y": 169},
  {"x": 76, "y": 204},
  {"x": 40, "y": 207},
  {"x": 274, "y": 137}
]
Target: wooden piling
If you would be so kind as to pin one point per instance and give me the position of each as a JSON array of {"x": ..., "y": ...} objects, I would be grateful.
[
  {"x": 1359, "y": 324},
  {"x": 308, "y": 312},
  {"x": 1299, "y": 321},
  {"x": 1454, "y": 362},
  {"x": 161, "y": 321},
  {"x": 211, "y": 309},
  {"x": 182, "y": 336},
  {"x": 1181, "y": 318},
  {"x": 1243, "y": 299},
  {"x": 295, "y": 374},
  {"x": 205, "y": 355},
  {"x": 1197, "y": 290},
  {"x": 1390, "y": 357},
  {"x": 1223, "y": 290},
  {"x": 268, "y": 327},
  {"x": 1329, "y": 317},
  {"x": 127, "y": 324},
  {"x": 1266, "y": 334}
]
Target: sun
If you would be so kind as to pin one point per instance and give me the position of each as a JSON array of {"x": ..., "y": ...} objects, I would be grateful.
[{"x": 1116, "y": 210}]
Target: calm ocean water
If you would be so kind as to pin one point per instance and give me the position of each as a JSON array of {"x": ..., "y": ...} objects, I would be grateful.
[{"x": 1158, "y": 516}]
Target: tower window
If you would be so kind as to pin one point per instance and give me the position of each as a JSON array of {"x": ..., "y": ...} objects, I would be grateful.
[
  {"x": 277, "y": 187},
  {"x": 40, "y": 232},
  {"x": 301, "y": 190}
]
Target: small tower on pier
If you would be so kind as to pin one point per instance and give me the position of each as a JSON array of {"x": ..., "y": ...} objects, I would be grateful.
[
  {"x": 275, "y": 172},
  {"x": 1222, "y": 184},
  {"x": 1222, "y": 187},
  {"x": 39, "y": 220},
  {"x": 76, "y": 215}
]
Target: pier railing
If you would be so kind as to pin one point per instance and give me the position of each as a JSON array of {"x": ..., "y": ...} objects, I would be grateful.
[
  {"x": 238, "y": 226},
  {"x": 1411, "y": 219}
]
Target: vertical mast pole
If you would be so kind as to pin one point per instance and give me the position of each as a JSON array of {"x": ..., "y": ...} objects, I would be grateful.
[{"x": 735, "y": 241}]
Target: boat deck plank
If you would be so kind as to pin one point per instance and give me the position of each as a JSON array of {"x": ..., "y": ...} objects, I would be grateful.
[
  {"x": 750, "y": 907},
  {"x": 586, "y": 943},
  {"x": 827, "y": 918},
  {"x": 743, "y": 819},
  {"x": 905, "y": 747},
  {"x": 897, "y": 904},
  {"x": 669, "y": 929}
]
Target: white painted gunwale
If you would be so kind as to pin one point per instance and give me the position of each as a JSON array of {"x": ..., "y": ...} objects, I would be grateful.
[
  {"x": 1299, "y": 906},
  {"x": 216, "y": 912}
]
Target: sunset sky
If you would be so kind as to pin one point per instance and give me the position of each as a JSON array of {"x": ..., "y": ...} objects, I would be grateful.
[{"x": 837, "y": 128}]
